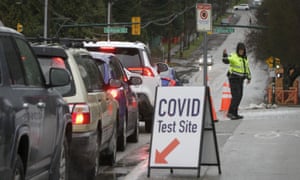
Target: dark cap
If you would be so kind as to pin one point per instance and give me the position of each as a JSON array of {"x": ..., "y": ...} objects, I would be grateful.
[{"x": 239, "y": 46}]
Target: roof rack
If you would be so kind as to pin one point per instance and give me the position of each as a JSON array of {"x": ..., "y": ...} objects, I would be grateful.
[{"x": 67, "y": 42}]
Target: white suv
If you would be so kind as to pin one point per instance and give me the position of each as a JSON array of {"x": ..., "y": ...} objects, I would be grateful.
[
  {"x": 135, "y": 56},
  {"x": 241, "y": 7}
]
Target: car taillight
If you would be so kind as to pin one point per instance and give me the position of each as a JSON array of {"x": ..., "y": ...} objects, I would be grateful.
[
  {"x": 134, "y": 102},
  {"x": 172, "y": 82},
  {"x": 125, "y": 79},
  {"x": 107, "y": 49},
  {"x": 58, "y": 62},
  {"x": 145, "y": 71},
  {"x": 113, "y": 92},
  {"x": 80, "y": 114},
  {"x": 169, "y": 81}
]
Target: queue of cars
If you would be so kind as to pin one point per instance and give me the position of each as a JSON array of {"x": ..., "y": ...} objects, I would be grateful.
[
  {"x": 136, "y": 58},
  {"x": 94, "y": 111},
  {"x": 67, "y": 109}
]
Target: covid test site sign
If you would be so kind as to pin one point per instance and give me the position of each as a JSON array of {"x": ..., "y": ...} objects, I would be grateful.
[{"x": 182, "y": 115}]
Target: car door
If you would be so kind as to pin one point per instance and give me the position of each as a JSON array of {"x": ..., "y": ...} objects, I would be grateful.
[
  {"x": 131, "y": 101},
  {"x": 40, "y": 104},
  {"x": 95, "y": 85}
]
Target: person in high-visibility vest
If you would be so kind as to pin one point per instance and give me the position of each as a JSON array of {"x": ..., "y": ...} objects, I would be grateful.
[{"x": 238, "y": 71}]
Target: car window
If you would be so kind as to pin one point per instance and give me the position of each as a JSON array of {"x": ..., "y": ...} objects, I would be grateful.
[
  {"x": 14, "y": 63},
  {"x": 31, "y": 66},
  {"x": 103, "y": 68},
  {"x": 116, "y": 72},
  {"x": 89, "y": 72},
  {"x": 129, "y": 57}
]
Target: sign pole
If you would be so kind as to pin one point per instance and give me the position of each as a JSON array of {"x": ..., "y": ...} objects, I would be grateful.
[{"x": 205, "y": 60}]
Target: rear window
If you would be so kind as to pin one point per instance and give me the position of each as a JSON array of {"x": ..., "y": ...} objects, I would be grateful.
[
  {"x": 46, "y": 63},
  {"x": 129, "y": 57},
  {"x": 89, "y": 72}
]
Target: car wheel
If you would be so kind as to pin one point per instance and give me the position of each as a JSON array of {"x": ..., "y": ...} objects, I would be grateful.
[
  {"x": 95, "y": 169},
  {"x": 148, "y": 125},
  {"x": 18, "y": 171},
  {"x": 135, "y": 136},
  {"x": 92, "y": 172},
  {"x": 122, "y": 138},
  {"x": 62, "y": 169}
]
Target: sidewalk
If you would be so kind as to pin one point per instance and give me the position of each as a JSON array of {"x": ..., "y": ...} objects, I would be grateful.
[{"x": 265, "y": 145}]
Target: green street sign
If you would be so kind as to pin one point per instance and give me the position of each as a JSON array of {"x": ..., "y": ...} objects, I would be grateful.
[
  {"x": 223, "y": 30},
  {"x": 115, "y": 30}
]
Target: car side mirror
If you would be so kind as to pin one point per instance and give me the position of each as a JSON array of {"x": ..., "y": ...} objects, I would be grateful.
[
  {"x": 135, "y": 80},
  {"x": 115, "y": 83},
  {"x": 58, "y": 77},
  {"x": 162, "y": 67}
]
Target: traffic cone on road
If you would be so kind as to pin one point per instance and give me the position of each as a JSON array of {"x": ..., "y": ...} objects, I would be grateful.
[
  {"x": 226, "y": 97},
  {"x": 213, "y": 111},
  {"x": 214, "y": 114}
]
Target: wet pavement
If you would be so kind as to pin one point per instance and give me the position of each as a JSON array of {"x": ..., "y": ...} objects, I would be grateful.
[
  {"x": 124, "y": 166},
  {"x": 265, "y": 145}
]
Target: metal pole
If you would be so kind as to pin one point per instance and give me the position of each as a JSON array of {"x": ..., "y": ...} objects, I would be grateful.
[
  {"x": 205, "y": 60},
  {"x": 46, "y": 20},
  {"x": 205, "y": 57},
  {"x": 108, "y": 19}
]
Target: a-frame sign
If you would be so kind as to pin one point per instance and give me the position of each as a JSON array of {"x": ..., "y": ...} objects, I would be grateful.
[{"x": 183, "y": 133}]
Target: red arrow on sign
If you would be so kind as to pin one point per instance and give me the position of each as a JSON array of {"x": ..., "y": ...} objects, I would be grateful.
[{"x": 160, "y": 156}]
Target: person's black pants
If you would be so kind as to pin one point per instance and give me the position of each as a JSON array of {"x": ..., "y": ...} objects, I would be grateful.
[{"x": 236, "y": 88}]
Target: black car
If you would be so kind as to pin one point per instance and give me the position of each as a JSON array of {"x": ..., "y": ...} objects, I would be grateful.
[
  {"x": 128, "y": 121},
  {"x": 35, "y": 123}
]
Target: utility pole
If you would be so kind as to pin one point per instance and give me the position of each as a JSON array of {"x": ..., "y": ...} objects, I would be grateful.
[
  {"x": 45, "y": 20},
  {"x": 108, "y": 19}
]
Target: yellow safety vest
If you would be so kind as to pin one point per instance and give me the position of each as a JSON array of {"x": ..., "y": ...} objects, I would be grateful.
[{"x": 239, "y": 66}]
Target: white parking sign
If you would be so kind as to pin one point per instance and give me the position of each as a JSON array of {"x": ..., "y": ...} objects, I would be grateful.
[{"x": 203, "y": 15}]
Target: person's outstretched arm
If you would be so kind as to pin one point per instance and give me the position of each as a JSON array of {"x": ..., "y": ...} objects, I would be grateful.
[{"x": 225, "y": 57}]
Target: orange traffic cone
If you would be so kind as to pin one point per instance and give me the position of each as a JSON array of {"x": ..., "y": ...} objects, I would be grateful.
[
  {"x": 226, "y": 97},
  {"x": 212, "y": 106},
  {"x": 213, "y": 111}
]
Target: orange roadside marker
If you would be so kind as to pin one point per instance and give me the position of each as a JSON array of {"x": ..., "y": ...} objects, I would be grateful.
[{"x": 226, "y": 97}]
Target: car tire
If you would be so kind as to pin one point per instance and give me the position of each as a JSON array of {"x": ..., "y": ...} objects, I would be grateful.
[
  {"x": 135, "y": 136},
  {"x": 18, "y": 170},
  {"x": 122, "y": 138},
  {"x": 95, "y": 169},
  {"x": 148, "y": 125},
  {"x": 62, "y": 169}
]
